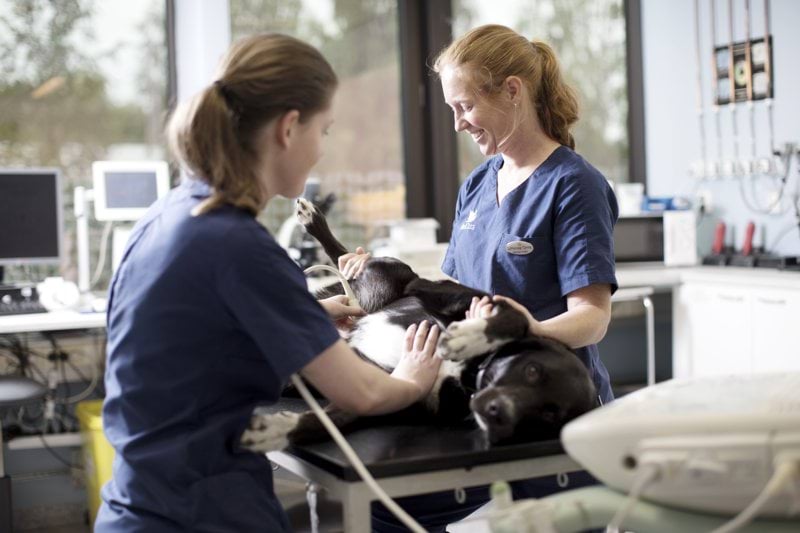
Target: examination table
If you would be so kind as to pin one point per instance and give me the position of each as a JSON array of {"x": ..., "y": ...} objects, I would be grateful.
[{"x": 414, "y": 459}]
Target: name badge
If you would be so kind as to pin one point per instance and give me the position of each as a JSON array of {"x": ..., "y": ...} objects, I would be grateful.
[{"x": 519, "y": 247}]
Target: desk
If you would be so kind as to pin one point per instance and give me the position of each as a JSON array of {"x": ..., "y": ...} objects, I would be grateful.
[
  {"x": 410, "y": 460},
  {"x": 51, "y": 321}
]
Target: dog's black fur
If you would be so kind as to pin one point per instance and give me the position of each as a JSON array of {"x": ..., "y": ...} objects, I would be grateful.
[{"x": 518, "y": 386}]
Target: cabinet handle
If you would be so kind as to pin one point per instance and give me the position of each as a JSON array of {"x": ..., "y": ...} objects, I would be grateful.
[
  {"x": 772, "y": 301},
  {"x": 729, "y": 298}
]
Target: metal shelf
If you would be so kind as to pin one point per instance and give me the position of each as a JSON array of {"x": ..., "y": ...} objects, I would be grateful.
[{"x": 58, "y": 440}]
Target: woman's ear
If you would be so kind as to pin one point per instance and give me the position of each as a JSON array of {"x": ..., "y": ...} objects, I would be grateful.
[
  {"x": 286, "y": 129},
  {"x": 514, "y": 88}
]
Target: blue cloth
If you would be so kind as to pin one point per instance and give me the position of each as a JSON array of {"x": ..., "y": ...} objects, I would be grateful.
[
  {"x": 564, "y": 214},
  {"x": 208, "y": 317}
]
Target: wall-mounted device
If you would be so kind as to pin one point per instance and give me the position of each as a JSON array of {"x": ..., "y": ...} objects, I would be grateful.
[
  {"x": 30, "y": 217},
  {"x": 743, "y": 70},
  {"x": 123, "y": 190}
]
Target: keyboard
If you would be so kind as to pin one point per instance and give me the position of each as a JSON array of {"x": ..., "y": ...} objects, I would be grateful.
[{"x": 21, "y": 307}]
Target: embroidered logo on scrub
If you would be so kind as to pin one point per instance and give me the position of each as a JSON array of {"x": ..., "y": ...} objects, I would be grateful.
[
  {"x": 519, "y": 247},
  {"x": 470, "y": 219}
]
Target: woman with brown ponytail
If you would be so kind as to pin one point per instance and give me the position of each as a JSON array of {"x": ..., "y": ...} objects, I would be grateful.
[
  {"x": 208, "y": 317},
  {"x": 533, "y": 222}
]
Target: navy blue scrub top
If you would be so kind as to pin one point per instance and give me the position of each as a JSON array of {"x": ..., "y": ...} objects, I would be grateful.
[
  {"x": 208, "y": 317},
  {"x": 563, "y": 215}
]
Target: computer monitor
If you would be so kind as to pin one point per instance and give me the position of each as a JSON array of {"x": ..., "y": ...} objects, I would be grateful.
[
  {"x": 31, "y": 216},
  {"x": 123, "y": 190}
]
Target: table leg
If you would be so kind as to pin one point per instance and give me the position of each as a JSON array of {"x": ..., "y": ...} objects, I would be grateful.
[
  {"x": 356, "y": 514},
  {"x": 651, "y": 340}
]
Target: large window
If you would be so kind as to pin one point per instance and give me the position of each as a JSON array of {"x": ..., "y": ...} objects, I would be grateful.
[
  {"x": 363, "y": 163},
  {"x": 588, "y": 37},
  {"x": 82, "y": 81}
]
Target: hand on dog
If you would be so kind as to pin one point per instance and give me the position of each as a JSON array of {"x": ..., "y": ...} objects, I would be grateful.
[
  {"x": 480, "y": 308},
  {"x": 418, "y": 363},
  {"x": 352, "y": 264},
  {"x": 338, "y": 309}
]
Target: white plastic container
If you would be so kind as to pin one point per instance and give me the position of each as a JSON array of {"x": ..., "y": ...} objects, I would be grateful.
[
  {"x": 413, "y": 232},
  {"x": 629, "y": 198}
]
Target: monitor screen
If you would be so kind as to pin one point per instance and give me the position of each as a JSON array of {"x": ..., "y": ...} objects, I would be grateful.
[
  {"x": 30, "y": 216},
  {"x": 123, "y": 190},
  {"x": 130, "y": 189}
]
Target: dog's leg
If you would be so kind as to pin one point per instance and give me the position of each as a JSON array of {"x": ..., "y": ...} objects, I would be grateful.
[
  {"x": 317, "y": 226},
  {"x": 310, "y": 429},
  {"x": 477, "y": 336},
  {"x": 275, "y": 431},
  {"x": 445, "y": 298},
  {"x": 269, "y": 432},
  {"x": 448, "y": 371}
]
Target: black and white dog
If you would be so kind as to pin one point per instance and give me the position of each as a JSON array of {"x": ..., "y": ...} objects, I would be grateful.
[{"x": 517, "y": 386}]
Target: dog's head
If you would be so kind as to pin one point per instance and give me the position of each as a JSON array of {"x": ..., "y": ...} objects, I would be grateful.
[{"x": 529, "y": 389}]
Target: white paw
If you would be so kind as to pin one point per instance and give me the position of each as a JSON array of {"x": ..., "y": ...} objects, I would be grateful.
[
  {"x": 304, "y": 210},
  {"x": 466, "y": 339},
  {"x": 268, "y": 433}
]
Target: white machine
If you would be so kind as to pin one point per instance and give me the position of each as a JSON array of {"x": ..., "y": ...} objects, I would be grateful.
[
  {"x": 122, "y": 191},
  {"x": 705, "y": 444}
]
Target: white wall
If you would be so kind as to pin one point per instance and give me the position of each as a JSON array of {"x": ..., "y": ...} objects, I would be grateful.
[{"x": 672, "y": 126}]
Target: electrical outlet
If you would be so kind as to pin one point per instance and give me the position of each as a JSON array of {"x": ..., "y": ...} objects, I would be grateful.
[
  {"x": 774, "y": 202},
  {"x": 703, "y": 198}
]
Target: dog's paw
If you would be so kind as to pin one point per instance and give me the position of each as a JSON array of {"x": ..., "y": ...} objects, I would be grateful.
[
  {"x": 305, "y": 211},
  {"x": 269, "y": 432},
  {"x": 464, "y": 340}
]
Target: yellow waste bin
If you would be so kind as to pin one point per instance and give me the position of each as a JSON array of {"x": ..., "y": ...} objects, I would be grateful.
[{"x": 97, "y": 452}]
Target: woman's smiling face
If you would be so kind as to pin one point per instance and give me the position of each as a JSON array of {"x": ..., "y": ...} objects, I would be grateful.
[{"x": 488, "y": 124}]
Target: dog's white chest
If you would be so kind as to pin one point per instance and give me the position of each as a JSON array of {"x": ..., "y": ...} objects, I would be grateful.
[{"x": 379, "y": 340}]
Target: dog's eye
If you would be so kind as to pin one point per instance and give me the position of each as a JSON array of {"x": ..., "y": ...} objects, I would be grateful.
[{"x": 531, "y": 373}]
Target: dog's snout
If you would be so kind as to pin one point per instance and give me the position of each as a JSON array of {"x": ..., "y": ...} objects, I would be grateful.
[
  {"x": 494, "y": 412},
  {"x": 494, "y": 409}
]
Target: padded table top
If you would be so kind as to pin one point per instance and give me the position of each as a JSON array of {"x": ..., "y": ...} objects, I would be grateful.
[{"x": 407, "y": 449}]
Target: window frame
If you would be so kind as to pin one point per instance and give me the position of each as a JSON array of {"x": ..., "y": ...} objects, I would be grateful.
[{"x": 430, "y": 154}]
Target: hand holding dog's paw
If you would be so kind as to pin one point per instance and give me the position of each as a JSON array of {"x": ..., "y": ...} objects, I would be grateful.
[
  {"x": 464, "y": 340},
  {"x": 480, "y": 308},
  {"x": 269, "y": 432}
]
